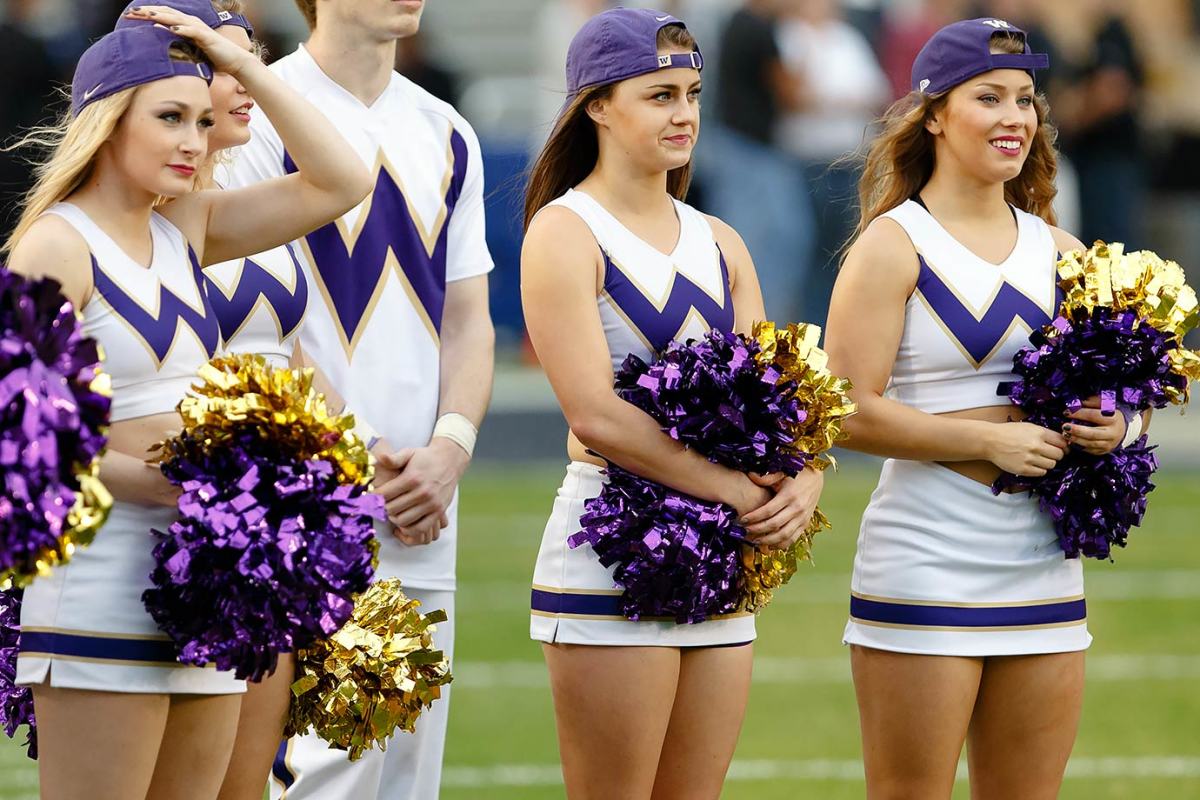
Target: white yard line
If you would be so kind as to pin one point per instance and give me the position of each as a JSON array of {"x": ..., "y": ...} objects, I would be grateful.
[
  {"x": 824, "y": 769},
  {"x": 488, "y": 675}
]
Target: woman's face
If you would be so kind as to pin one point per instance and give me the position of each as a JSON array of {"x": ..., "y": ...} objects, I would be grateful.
[
  {"x": 987, "y": 125},
  {"x": 231, "y": 104},
  {"x": 163, "y": 138},
  {"x": 654, "y": 119}
]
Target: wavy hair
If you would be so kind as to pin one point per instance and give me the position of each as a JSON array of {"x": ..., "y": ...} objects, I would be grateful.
[{"x": 900, "y": 160}]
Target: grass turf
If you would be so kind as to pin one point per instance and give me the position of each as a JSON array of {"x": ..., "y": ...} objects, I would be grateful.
[{"x": 1139, "y": 735}]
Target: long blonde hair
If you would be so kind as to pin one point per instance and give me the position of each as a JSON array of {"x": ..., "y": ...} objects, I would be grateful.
[
  {"x": 900, "y": 160},
  {"x": 73, "y": 143}
]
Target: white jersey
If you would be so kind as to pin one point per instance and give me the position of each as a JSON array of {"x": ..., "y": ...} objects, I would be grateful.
[
  {"x": 651, "y": 298},
  {"x": 259, "y": 301},
  {"x": 154, "y": 322},
  {"x": 967, "y": 317},
  {"x": 378, "y": 275}
]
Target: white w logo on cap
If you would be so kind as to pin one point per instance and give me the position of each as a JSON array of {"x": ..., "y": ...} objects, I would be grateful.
[{"x": 996, "y": 23}]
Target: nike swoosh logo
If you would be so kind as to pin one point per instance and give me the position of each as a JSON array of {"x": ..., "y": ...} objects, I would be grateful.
[
  {"x": 662, "y": 19},
  {"x": 88, "y": 94}
]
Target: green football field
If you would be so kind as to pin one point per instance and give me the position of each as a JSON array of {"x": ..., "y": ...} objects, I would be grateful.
[{"x": 1140, "y": 736}]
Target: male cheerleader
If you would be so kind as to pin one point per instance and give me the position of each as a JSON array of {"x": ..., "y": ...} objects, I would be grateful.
[{"x": 399, "y": 323}]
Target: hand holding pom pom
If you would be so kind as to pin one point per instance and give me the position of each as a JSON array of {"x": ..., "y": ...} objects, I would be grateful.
[{"x": 1117, "y": 342}]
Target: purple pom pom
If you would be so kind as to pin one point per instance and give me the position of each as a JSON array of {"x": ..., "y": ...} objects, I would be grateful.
[
  {"x": 16, "y": 702},
  {"x": 52, "y": 423},
  {"x": 674, "y": 555},
  {"x": 713, "y": 396},
  {"x": 271, "y": 550},
  {"x": 1093, "y": 500}
]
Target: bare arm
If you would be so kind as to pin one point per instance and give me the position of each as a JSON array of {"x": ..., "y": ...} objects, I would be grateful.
[
  {"x": 331, "y": 179},
  {"x": 866, "y": 320},
  {"x": 468, "y": 350},
  {"x": 559, "y": 284},
  {"x": 53, "y": 249}
]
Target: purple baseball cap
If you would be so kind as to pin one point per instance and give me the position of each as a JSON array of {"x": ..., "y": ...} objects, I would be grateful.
[
  {"x": 621, "y": 43},
  {"x": 126, "y": 58},
  {"x": 203, "y": 9},
  {"x": 963, "y": 50}
]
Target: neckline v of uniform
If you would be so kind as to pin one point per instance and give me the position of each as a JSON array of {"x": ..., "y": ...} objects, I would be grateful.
[
  {"x": 314, "y": 69},
  {"x": 1016, "y": 248},
  {"x": 678, "y": 217}
]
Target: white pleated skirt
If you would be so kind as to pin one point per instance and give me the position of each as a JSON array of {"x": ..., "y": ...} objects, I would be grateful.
[
  {"x": 944, "y": 567},
  {"x": 83, "y": 626},
  {"x": 574, "y": 599}
]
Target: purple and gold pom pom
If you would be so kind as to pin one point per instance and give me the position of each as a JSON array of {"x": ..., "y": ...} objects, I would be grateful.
[
  {"x": 16, "y": 702},
  {"x": 54, "y": 414},
  {"x": 276, "y": 528},
  {"x": 373, "y": 677},
  {"x": 763, "y": 403},
  {"x": 1118, "y": 336}
]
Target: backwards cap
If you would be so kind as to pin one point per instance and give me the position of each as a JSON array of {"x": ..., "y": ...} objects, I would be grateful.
[
  {"x": 963, "y": 50},
  {"x": 126, "y": 58}
]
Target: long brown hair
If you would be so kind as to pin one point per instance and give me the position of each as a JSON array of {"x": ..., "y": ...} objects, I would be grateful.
[
  {"x": 570, "y": 153},
  {"x": 900, "y": 159}
]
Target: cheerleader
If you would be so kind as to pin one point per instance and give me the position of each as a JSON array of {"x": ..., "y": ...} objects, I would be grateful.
[
  {"x": 615, "y": 263},
  {"x": 966, "y": 621},
  {"x": 118, "y": 717}
]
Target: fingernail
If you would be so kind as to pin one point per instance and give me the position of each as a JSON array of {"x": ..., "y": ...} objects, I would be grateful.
[{"x": 1067, "y": 429}]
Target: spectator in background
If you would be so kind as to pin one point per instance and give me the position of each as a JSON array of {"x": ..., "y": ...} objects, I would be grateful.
[
  {"x": 26, "y": 99},
  {"x": 838, "y": 90},
  {"x": 1096, "y": 104},
  {"x": 907, "y": 25},
  {"x": 751, "y": 184}
]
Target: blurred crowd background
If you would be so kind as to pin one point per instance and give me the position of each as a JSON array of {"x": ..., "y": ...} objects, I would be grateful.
[{"x": 791, "y": 87}]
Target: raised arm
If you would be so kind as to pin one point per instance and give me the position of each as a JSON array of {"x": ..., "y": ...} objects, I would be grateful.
[
  {"x": 866, "y": 320},
  {"x": 560, "y": 279},
  {"x": 331, "y": 179}
]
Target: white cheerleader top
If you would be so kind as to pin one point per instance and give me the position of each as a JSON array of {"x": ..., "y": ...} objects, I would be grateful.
[
  {"x": 154, "y": 323},
  {"x": 651, "y": 298},
  {"x": 967, "y": 317}
]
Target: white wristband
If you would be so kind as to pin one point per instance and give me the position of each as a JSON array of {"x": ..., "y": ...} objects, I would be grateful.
[
  {"x": 1133, "y": 429},
  {"x": 458, "y": 429}
]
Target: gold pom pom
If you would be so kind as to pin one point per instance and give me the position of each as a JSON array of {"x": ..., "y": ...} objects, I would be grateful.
[
  {"x": 374, "y": 676},
  {"x": 243, "y": 390},
  {"x": 794, "y": 352},
  {"x": 1141, "y": 282},
  {"x": 766, "y": 572}
]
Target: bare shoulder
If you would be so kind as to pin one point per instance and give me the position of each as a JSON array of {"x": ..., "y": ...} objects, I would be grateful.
[
  {"x": 189, "y": 213},
  {"x": 728, "y": 239},
  {"x": 559, "y": 232},
  {"x": 884, "y": 254},
  {"x": 1065, "y": 241},
  {"x": 52, "y": 248}
]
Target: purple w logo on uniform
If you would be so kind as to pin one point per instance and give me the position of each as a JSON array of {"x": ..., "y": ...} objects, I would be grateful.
[
  {"x": 157, "y": 327},
  {"x": 351, "y": 265},
  {"x": 253, "y": 282},
  {"x": 979, "y": 335}
]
